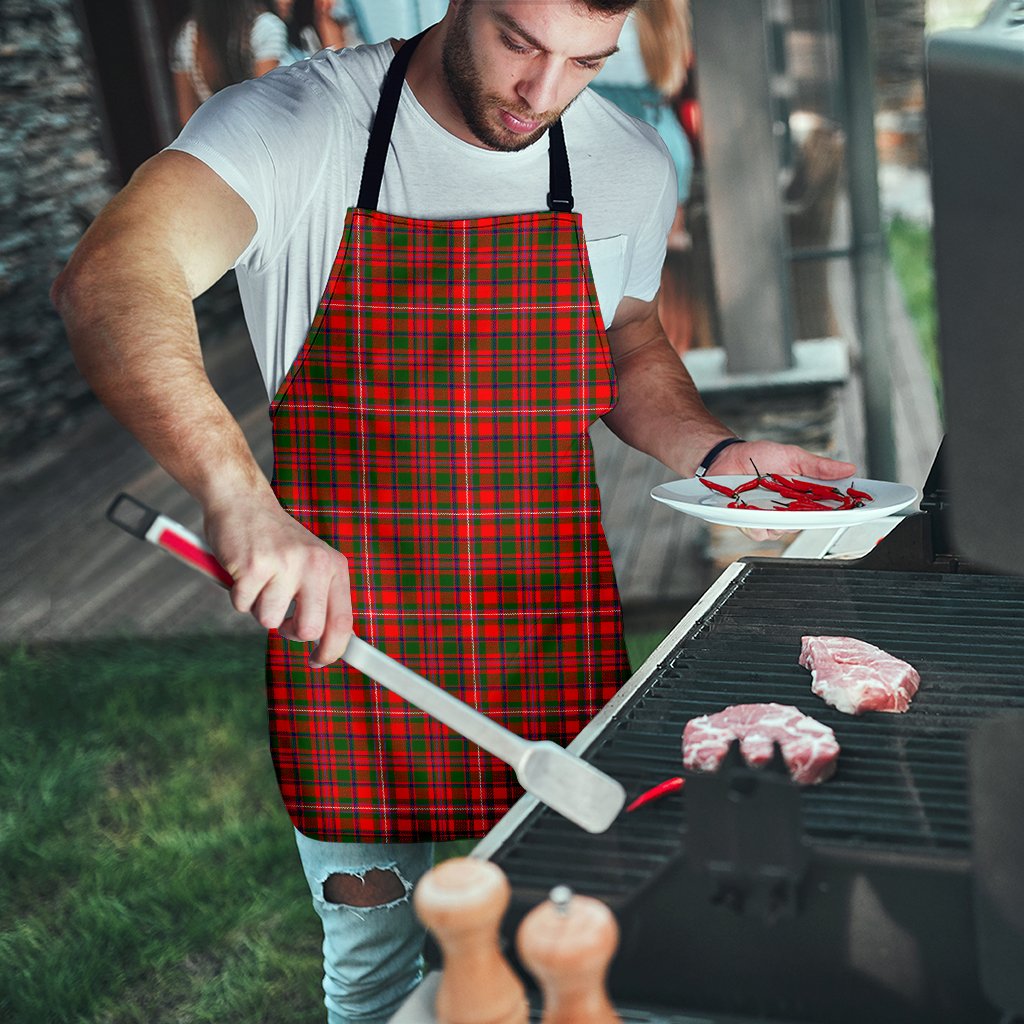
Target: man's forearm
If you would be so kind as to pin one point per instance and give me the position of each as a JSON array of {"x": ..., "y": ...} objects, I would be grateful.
[
  {"x": 660, "y": 411},
  {"x": 126, "y": 298},
  {"x": 133, "y": 333}
]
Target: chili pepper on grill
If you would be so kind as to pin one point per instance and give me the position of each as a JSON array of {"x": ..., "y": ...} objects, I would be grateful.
[{"x": 656, "y": 792}]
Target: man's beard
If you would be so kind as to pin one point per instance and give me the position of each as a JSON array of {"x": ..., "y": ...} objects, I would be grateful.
[{"x": 464, "y": 83}]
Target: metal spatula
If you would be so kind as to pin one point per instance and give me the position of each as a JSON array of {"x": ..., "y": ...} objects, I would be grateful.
[{"x": 568, "y": 785}]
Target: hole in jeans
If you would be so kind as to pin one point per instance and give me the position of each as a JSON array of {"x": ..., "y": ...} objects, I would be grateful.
[{"x": 373, "y": 889}]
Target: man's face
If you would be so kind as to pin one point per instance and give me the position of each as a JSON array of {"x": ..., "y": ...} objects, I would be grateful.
[{"x": 513, "y": 66}]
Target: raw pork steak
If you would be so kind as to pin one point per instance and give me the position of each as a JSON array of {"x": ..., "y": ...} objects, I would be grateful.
[
  {"x": 809, "y": 748},
  {"x": 855, "y": 677}
]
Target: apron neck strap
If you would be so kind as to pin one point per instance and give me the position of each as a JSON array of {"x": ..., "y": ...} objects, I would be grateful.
[
  {"x": 559, "y": 198},
  {"x": 383, "y": 122},
  {"x": 560, "y": 194}
]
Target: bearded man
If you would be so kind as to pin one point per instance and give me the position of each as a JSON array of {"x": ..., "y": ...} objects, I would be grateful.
[{"x": 448, "y": 252}]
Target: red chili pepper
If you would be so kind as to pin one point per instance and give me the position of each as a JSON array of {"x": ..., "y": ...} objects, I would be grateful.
[
  {"x": 770, "y": 484},
  {"x": 749, "y": 485},
  {"x": 793, "y": 485},
  {"x": 808, "y": 505},
  {"x": 656, "y": 792},
  {"x": 788, "y": 492},
  {"x": 721, "y": 488},
  {"x": 862, "y": 495},
  {"x": 809, "y": 487}
]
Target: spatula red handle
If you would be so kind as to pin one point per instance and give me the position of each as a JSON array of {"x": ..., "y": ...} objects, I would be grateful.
[{"x": 147, "y": 524}]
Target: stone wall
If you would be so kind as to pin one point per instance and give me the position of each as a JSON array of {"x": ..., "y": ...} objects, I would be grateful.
[{"x": 53, "y": 180}]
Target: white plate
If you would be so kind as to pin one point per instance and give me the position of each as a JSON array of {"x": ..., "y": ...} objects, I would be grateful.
[{"x": 693, "y": 498}]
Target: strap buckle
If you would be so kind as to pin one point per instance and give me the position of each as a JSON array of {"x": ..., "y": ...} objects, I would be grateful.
[{"x": 560, "y": 205}]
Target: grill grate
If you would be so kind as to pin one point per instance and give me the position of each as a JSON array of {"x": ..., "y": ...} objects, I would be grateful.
[{"x": 901, "y": 786}]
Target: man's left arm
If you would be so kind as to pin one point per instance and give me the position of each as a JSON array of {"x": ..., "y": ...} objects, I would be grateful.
[{"x": 661, "y": 413}]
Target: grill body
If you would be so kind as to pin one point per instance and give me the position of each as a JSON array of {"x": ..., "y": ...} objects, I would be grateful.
[{"x": 842, "y": 902}]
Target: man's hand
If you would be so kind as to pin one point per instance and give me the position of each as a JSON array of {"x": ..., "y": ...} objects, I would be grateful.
[
  {"x": 772, "y": 457},
  {"x": 274, "y": 562}
]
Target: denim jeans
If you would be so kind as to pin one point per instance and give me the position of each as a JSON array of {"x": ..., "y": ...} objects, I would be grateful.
[{"x": 372, "y": 955}]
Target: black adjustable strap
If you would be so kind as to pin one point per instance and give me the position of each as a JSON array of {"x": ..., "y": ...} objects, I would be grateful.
[
  {"x": 383, "y": 123},
  {"x": 560, "y": 197}
]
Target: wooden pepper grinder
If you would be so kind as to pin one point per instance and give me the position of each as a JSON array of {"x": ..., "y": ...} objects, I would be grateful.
[
  {"x": 567, "y": 943},
  {"x": 462, "y": 901}
]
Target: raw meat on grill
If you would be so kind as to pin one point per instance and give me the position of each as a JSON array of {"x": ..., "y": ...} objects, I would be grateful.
[
  {"x": 809, "y": 748},
  {"x": 855, "y": 677}
]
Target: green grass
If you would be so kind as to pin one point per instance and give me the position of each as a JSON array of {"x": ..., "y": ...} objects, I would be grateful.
[
  {"x": 910, "y": 248},
  {"x": 641, "y": 645},
  {"x": 147, "y": 867}
]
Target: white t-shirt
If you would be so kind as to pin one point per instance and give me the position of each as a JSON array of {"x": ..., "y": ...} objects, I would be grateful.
[{"x": 292, "y": 144}]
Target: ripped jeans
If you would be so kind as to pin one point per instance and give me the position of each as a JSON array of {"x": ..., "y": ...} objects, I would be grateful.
[{"x": 373, "y": 943}]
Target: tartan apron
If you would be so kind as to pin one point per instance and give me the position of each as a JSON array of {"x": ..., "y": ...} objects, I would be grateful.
[{"x": 434, "y": 429}]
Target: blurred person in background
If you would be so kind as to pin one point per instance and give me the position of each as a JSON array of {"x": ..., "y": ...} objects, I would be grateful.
[
  {"x": 314, "y": 25},
  {"x": 221, "y": 43},
  {"x": 646, "y": 78},
  {"x": 372, "y": 21},
  {"x": 647, "y": 75}
]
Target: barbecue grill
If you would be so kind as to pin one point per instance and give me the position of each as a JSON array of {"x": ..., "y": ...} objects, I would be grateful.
[
  {"x": 894, "y": 892},
  {"x": 746, "y": 897}
]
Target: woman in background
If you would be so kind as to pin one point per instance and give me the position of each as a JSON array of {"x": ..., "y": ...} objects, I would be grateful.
[
  {"x": 221, "y": 43},
  {"x": 645, "y": 79}
]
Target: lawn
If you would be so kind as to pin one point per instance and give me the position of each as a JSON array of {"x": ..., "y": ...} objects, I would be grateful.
[{"x": 147, "y": 867}]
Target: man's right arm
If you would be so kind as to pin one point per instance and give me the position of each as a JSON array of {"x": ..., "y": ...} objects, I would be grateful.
[{"x": 126, "y": 300}]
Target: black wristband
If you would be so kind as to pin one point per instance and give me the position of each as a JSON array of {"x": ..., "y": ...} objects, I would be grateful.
[{"x": 705, "y": 463}]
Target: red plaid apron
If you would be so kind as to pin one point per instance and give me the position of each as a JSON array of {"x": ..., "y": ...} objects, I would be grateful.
[{"x": 434, "y": 429}]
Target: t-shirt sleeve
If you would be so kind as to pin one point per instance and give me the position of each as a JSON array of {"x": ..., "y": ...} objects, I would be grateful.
[
  {"x": 269, "y": 140},
  {"x": 269, "y": 38},
  {"x": 652, "y": 235}
]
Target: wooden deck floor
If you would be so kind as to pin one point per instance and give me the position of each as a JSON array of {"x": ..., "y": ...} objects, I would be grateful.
[{"x": 69, "y": 574}]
